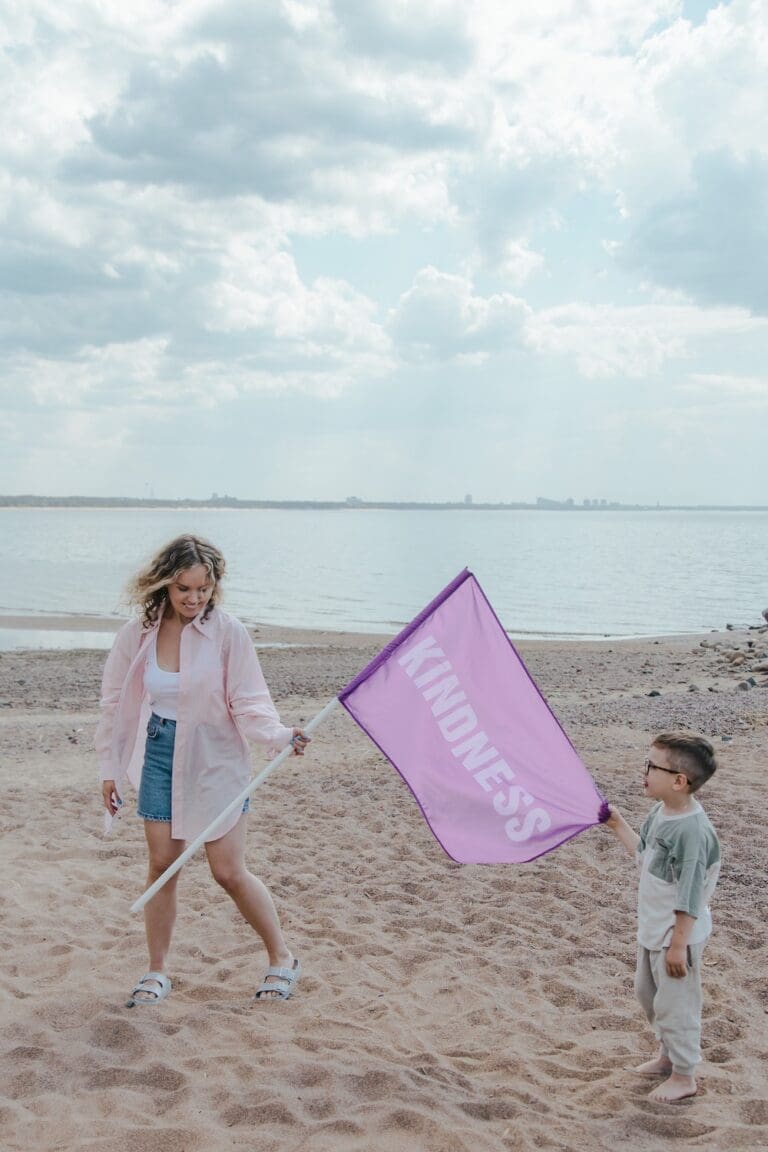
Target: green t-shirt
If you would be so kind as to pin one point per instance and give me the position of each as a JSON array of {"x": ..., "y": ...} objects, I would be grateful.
[{"x": 679, "y": 860}]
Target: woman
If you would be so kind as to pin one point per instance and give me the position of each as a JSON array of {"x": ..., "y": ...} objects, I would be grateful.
[{"x": 182, "y": 692}]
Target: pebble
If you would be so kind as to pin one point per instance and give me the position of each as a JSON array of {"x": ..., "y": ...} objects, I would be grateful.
[
  {"x": 710, "y": 714},
  {"x": 653, "y": 692},
  {"x": 694, "y": 688}
]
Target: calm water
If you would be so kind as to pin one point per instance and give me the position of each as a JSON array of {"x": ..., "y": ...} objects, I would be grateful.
[{"x": 547, "y": 573}]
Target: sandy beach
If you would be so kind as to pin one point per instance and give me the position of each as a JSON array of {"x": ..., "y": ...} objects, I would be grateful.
[{"x": 443, "y": 1008}]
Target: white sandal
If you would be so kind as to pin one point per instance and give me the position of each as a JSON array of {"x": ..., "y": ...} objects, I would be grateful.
[
  {"x": 150, "y": 995},
  {"x": 283, "y": 984}
]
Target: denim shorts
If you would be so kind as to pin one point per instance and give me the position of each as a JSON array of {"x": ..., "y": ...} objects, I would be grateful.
[{"x": 157, "y": 772}]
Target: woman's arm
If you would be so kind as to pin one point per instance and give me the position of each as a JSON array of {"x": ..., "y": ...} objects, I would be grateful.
[
  {"x": 120, "y": 658},
  {"x": 248, "y": 697}
]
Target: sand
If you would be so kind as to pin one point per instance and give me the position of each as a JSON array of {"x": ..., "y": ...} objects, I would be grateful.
[{"x": 443, "y": 1008}]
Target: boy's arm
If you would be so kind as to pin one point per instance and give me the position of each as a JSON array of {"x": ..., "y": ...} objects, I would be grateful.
[
  {"x": 694, "y": 854},
  {"x": 677, "y": 953},
  {"x": 622, "y": 831}
]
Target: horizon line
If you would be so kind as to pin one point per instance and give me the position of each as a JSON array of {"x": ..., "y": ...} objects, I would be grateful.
[{"x": 542, "y": 504}]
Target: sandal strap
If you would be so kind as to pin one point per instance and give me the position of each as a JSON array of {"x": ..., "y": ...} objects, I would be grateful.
[
  {"x": 158, "y": 978},
  {"x": 280, "y": 992},
  {"x": 288, "y": 974},
  {"x": 282, "y": 984}
]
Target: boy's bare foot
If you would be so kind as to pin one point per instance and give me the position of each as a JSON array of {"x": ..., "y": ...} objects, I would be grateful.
[
  {"x": 676, "y": 1088},
  {"x": 659, "y": 1066}
]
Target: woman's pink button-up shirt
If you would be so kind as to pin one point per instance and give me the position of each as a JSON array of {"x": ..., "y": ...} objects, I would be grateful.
[{"x": 223, "y": 702}]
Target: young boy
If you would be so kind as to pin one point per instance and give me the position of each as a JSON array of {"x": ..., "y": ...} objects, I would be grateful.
[{"x": 679, "y": 857}]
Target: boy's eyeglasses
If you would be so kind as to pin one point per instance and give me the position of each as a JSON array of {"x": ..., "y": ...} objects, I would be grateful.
[{"x": 672, "y": 771}]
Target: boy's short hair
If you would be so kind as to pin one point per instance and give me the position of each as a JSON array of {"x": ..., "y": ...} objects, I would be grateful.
[{"x": 691, "y": 754}]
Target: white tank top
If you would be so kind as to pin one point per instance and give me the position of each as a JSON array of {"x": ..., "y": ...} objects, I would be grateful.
[{"x": 162, "y": 687}]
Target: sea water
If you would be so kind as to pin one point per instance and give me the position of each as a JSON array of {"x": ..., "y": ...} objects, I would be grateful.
[{"x": 547, "y": 573}]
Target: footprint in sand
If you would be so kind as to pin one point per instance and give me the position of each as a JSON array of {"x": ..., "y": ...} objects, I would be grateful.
[
  {"x": 491, "y": 1109},
  {"x": 158, "y": 1077},
  {"x": 672, "y": 1128},
  {"x": 567, "y": 996},
  {"x": 25, "y": 1052},
  {"x": 563, "y": 1072},
  {"x": 118, "y": 1035},
  {"x": 308, "y": 1076},
  {"x": 247, "y": 1116},
  {"x": 754, "y": 1112},
  {"x": 149, "y": 1140},
  {"x": 406, "y": 1120},
  {"x": 60, "y": 950},
  {"x": 376, "y": 1085},
  {"x": 723, "y": 1030},
  {"x": 28, "y": 1071}
]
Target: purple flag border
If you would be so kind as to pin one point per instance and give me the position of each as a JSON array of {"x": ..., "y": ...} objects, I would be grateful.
[
  {"x": 604, "y": 810},
  {"x": 402, "y": 636}
]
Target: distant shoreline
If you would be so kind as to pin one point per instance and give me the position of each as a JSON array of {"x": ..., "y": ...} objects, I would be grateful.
[
  {"x": 272, "y": 634},
  {"x": 353, "y": 504}
]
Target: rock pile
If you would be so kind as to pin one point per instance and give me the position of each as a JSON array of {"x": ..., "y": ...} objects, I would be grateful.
[{"x": 746, "y": 658}]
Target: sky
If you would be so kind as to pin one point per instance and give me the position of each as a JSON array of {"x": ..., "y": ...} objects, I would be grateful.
[{"x": 392, "y": 249}]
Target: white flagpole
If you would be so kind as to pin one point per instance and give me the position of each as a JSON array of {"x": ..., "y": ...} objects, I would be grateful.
[{"x": 309, "y": 728}]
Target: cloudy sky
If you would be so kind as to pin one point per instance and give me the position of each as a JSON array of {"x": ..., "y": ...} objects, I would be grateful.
[{"x": 398, "y": 249}]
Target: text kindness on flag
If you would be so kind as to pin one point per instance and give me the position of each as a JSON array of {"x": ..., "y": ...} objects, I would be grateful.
[{"x": 452, "y": 706}]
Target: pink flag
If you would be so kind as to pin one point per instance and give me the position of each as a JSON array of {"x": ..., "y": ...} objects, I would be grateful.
[{"x": 450, "y": 703}]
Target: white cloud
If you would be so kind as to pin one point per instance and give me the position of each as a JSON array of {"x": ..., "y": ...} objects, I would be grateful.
[
  {"x": 726, "y": 386},
  {"x": 301, "y": 331},
  {"x": 634, "y": 342},
  {"x": 440, "y": 317},
  {"x": 708, "y": 80},
  {"x": 713, "y": 241},
  {"x": 518, "y": 262},
  {"x": 428, "y": 32},
  {"x": 218, "y": 206}
]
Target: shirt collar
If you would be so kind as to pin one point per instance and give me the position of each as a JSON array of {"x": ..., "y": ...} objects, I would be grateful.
[{"x": 203, "y": 626}]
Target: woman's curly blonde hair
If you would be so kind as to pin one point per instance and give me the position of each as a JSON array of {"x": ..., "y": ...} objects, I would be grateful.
[{"x": 148, "y": 590}]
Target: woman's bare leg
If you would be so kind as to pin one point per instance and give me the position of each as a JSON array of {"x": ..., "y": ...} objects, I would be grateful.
[
  {"x": 226, "y": 857},
  {"x": 160, "y": 912}
]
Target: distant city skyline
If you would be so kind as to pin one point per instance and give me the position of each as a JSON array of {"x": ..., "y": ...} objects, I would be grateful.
[
  {"x": 541, "y": 504},
  {"x": 404, "y": 251}
]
